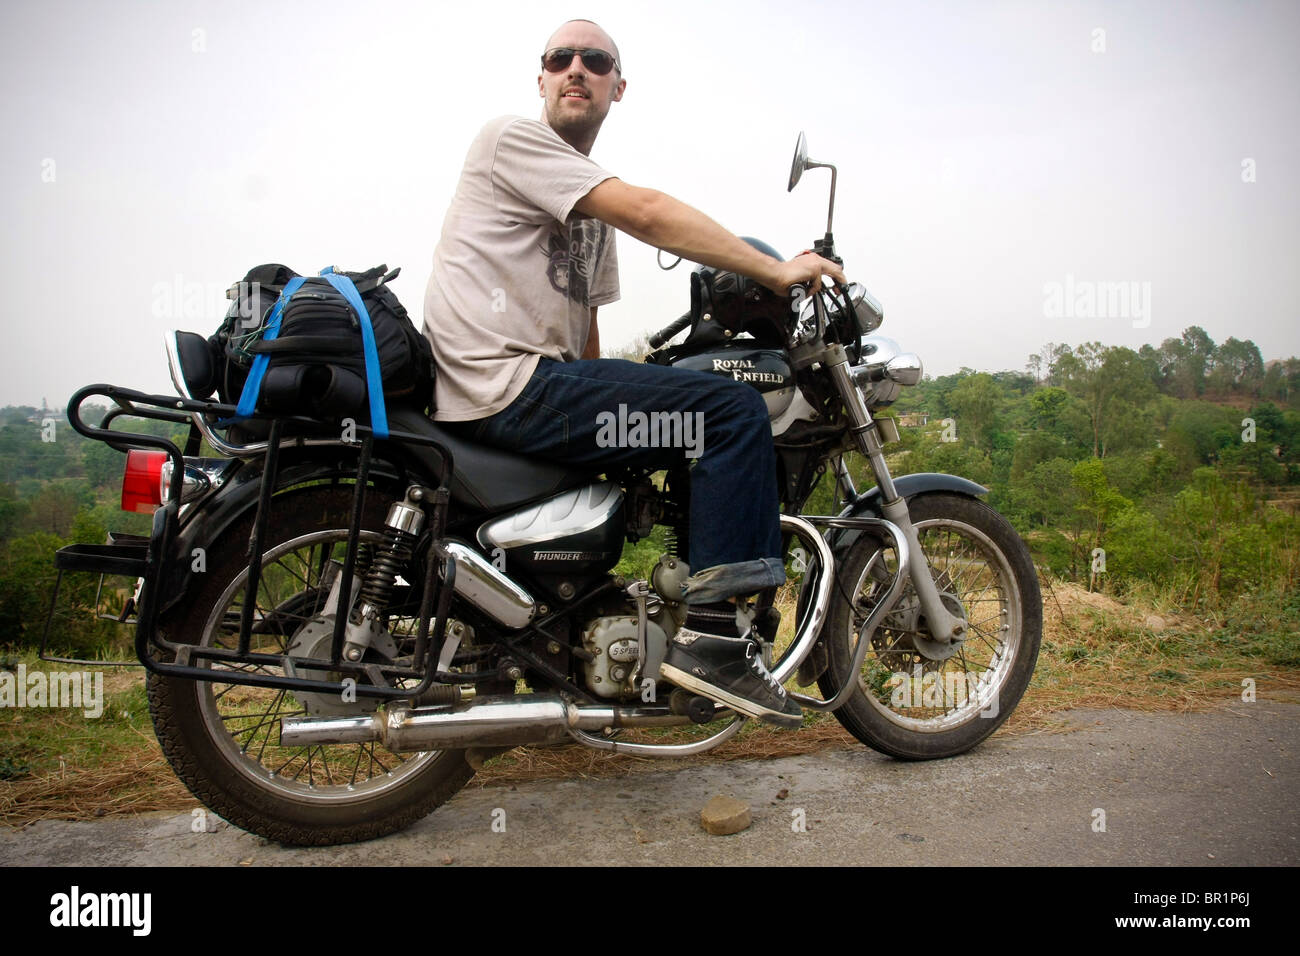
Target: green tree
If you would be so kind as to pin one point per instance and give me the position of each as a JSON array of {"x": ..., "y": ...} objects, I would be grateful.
[
  {"x": 1113, "y": 386},
  {"x": 54, "y": 509},
  {"x": 1198, "y": 355},
  {"x": 1198, "y": 431},
  {"x": 1098, "y": 502},
  {"x": 102, "y": 464},
  {"x": 1238, "y": 367},
  {"x": 975, "y": 403},
  {"x": 1271, "y": 455}
]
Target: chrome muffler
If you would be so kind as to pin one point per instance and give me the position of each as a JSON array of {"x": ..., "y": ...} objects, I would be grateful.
[{"x": 482, "y": 722}]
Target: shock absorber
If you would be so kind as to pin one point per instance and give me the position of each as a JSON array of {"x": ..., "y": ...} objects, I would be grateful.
[
  {"x": 402, "y": 529},
  {"x": 387, "y": 563}
]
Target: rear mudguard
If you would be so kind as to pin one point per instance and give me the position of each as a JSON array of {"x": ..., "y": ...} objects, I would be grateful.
[
  {"x": 867, "y": 505},
  {"x": 209, "y": 518}
]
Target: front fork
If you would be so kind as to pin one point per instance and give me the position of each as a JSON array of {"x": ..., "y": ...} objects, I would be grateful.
[{"x": 946, "y": 628}]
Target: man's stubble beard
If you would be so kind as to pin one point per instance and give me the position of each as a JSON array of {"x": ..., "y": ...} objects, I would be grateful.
[{"x": 579, "y": 127}]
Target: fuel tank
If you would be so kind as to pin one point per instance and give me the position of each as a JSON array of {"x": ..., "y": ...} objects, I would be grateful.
[{"x": 765, "y": 369}]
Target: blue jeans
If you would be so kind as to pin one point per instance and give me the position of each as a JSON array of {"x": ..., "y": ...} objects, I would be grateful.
[{"x": 609, "y": 412}]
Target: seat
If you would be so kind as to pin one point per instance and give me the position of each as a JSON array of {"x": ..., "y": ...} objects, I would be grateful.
[{"x": 486, "y": 478}]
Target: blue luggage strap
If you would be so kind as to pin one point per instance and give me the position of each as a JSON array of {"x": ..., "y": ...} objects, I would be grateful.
[{"x": 374, "y": 383}]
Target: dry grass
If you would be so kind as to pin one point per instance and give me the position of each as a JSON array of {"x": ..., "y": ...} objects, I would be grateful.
[
  {"x": 124, "y": 780},
  {"x": 1098, "y": 652}
]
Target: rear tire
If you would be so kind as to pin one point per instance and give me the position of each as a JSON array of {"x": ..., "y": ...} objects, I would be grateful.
[{"x": 222, "y": 739}]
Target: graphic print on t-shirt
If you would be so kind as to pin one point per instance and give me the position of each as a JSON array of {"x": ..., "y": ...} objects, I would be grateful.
[{"x": 572, "y": 262}]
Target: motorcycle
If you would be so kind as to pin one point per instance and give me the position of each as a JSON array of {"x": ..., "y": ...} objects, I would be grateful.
[{"x": 340, "y": 627}]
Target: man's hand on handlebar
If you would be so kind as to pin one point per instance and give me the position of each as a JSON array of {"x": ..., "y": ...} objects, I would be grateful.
[{"x": 807, "y": 268}]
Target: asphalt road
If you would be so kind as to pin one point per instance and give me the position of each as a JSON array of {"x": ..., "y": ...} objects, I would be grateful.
[{"x": 1176, "y": 789}]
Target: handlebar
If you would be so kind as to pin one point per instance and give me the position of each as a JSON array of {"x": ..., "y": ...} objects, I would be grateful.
[{"x": 664, "y": 334}]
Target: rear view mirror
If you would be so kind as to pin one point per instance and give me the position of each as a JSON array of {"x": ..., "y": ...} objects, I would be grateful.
[{"x": 800, "y": 161}]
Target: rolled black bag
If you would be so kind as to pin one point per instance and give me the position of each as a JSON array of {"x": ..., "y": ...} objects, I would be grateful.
[{"x": 315, "y": 356}]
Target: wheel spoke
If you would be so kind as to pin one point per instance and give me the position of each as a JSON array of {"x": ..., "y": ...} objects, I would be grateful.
[
  {"x": 265, "y": 716},
  {"x": 242, "y": 718},
  {"x": 970, "y": 569}
]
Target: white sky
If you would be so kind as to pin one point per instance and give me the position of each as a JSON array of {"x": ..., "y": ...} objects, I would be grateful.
[{"x": 984, "y": 151}]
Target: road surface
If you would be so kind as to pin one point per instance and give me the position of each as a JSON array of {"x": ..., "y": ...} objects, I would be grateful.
[{"x": 1211, "y": 789}]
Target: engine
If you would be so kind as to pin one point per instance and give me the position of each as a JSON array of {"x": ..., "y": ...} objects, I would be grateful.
[{"x": 611, "y": 640}]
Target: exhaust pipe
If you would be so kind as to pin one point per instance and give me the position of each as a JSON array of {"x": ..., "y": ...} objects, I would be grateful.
[
  {"x": 482, "y": 722},
  {"x": 482, "y": 585}
]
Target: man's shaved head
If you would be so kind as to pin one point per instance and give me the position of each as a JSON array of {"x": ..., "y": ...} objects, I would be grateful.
[
  {"x": 612, "y": 46},
  {"x": 576, "y": 99}
]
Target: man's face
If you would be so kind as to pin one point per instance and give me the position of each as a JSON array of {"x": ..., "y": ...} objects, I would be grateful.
[{"x": 577, "y": 100}]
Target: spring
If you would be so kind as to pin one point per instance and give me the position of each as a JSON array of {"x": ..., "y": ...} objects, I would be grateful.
[
  {"x": 389, "y": 560},
  {"x": 677, "y": 536}
]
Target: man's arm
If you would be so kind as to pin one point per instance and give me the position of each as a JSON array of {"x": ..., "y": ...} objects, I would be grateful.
[
  {"x": 660, "y": 220},
  {"x": 592, "y": 349}
]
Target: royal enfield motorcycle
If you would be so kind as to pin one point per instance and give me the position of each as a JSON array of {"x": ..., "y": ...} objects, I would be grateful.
[{"x": 341, "y": 625}]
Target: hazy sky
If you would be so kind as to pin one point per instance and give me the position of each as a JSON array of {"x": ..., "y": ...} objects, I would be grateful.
[{"x": 995, "y": 160}]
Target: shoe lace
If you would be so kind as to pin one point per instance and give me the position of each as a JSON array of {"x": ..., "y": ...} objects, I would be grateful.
[{"x": 756, "y": 664}]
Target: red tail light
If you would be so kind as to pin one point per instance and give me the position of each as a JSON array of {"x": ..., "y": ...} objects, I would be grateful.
[{"x": 141, "y": 485}]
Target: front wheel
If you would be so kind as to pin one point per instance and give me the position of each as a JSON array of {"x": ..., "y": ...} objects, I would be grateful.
[{"x": 908, "y": 705}]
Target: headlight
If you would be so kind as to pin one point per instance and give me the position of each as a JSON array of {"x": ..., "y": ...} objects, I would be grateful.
[
  {"x": 868, "y": 310},
  {"x": 867, "y": 313}
]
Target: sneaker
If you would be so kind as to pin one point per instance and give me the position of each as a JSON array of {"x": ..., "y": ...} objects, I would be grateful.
[{"x": 730, "y": 671}]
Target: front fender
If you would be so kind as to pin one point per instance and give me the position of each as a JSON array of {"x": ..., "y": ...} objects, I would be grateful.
[{"x": 867, "y": 504}]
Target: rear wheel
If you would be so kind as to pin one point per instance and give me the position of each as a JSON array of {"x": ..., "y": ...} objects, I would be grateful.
[
  {"x": 223, "y": 739},
  {"x": 907, "y": 704}
]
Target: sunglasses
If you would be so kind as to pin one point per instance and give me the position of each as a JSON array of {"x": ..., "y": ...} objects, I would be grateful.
[{"x": 597, "y": 61}]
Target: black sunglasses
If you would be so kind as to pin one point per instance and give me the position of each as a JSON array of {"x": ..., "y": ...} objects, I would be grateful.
[{"x": 597, "y": 61}]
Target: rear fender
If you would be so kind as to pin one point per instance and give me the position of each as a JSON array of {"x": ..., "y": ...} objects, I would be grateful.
[{"x": 208, "y": 519}]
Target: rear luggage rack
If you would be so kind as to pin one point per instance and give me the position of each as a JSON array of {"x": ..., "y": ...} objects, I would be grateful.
[
  {"x": 124, "y": 555},
  {"x": 143, "y": 557}
]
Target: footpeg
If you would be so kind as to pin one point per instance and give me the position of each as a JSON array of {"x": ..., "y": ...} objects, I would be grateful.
[{"x": 699, "y": 709}]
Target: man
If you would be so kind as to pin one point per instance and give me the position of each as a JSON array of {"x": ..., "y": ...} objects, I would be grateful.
[{"x": 525, "y": 259}]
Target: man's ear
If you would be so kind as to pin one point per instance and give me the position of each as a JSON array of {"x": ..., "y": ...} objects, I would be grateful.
[
  {"x": 541, "y": 89},
  {"x": 618, "y": 90}
]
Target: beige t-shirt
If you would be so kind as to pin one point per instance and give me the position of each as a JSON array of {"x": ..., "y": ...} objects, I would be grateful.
[{"x": 516, "y": 271}]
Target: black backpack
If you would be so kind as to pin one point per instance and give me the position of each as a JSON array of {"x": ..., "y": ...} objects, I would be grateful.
[{"x": 315, "y": 356}]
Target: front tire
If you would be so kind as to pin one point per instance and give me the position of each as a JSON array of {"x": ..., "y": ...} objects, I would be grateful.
[
  {"x": 223, "y": 739},
  {"x": 907, "y": 705}
]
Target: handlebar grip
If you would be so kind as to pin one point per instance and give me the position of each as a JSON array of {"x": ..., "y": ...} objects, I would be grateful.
[{"x": 663, "y": 335}]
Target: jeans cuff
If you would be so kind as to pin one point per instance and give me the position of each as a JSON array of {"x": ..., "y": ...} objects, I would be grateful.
[{"x": 724, "y": 581}]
